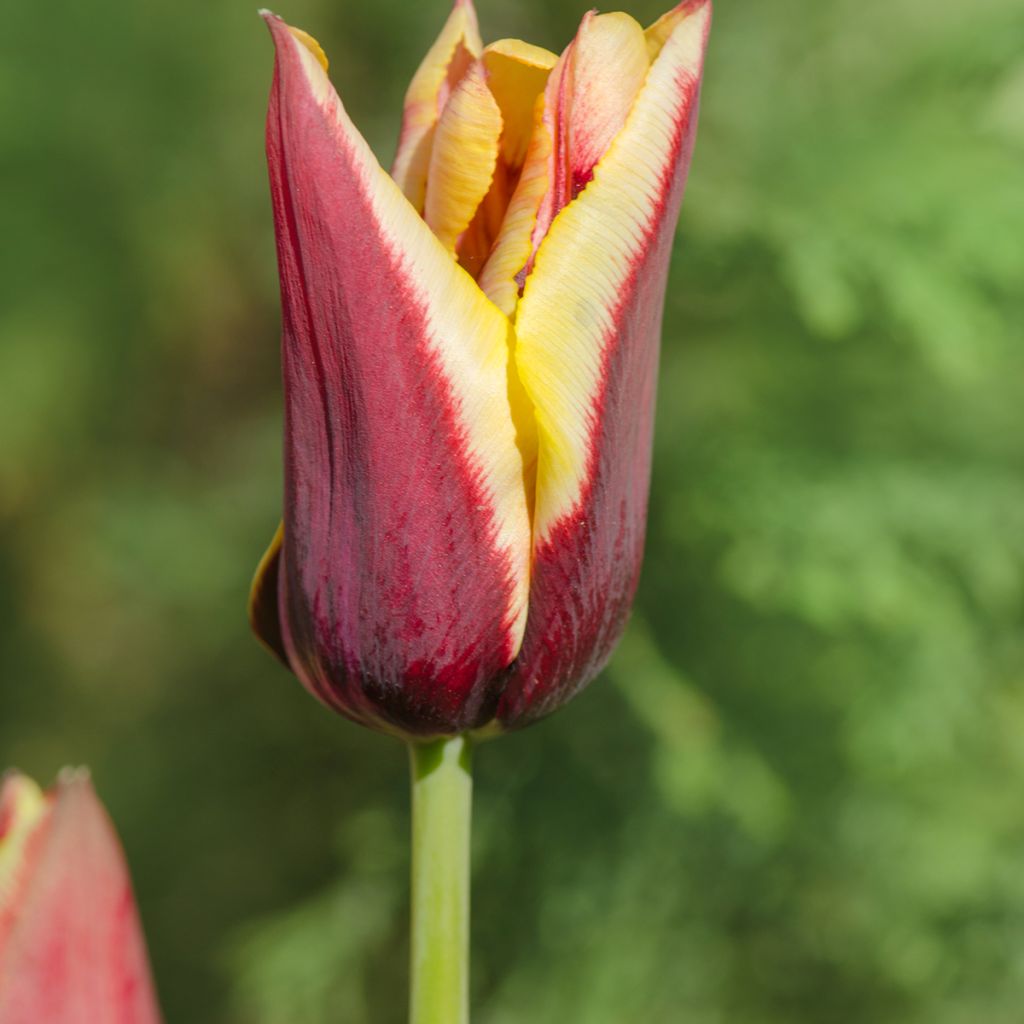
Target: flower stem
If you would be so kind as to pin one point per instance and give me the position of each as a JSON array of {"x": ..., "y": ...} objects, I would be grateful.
[{"x": 442, "y": 796}]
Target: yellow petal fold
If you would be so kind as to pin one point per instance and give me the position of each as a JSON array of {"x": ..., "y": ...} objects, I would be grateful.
[
  {"x": 516, "y": 75},
  {"x": 464, "y": 156},
  {"x": 514, "y": 243},
  {"x": 455, "y": 49}
]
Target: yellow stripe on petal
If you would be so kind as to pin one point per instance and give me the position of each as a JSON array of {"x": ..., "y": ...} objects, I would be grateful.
[
  {"x": 464, "y": 157},
  {"x": 568, "y": 319},
  {"x": 455, "y": 49},
  {"x": 312, "y": 45}
]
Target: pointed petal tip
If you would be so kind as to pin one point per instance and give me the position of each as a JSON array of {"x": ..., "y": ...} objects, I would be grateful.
[
  {"x": 469, "y": 10},
  {"x": 74, "y": 775},
  {"x": 696, "y": 8},
  {"x": 277, "y": 26},
  {"x": 690, "y": 13},
  {"x": 274, "y": 22},
  {"x": 74, "y": 791},
  {"x": 691, "y": 7},
  {"x": 685, "y": 9}
]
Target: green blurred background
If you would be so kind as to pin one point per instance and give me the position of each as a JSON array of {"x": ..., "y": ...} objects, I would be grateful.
[{"x": 797, "y": 795}]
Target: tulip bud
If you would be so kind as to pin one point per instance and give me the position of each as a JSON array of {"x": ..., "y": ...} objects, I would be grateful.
[
  {"x": 71, "y": 948},
  {"x": 470, "y": 353}
]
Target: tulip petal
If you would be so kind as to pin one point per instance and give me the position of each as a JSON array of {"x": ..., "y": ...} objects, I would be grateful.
[
  {"x": 516, "y": 75},
  {"x": 464, "y": 156},
  {"x": 587, "y": 98},
  {"x": 609, "y": 65},
  {"x": 456, "y": 48},
  {"x": 403, "y": 575},
  {"x": 658, "y": 33},
  {"x": 513, "y": 246},
  {"x": 263, "y": 612},
  {"x": 588, "y": 329},
  {"x": 75, "y": 951}
]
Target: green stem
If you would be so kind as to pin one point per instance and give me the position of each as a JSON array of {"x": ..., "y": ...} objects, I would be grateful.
[{"x": 442, "y": 796}]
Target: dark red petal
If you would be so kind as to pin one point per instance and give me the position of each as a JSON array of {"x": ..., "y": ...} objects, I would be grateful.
[{"x": 402, "y": 580}]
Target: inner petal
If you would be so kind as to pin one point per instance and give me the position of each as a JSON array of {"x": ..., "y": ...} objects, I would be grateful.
[
  {"x": 464, "y": 157},
  {"x": 587, "y": 98},
  {"x": 609, "y": 65},
  {"x": 440, "y": 72},
  {"x": 516, "y": 74},
  {"x": 512, "y": 247}
]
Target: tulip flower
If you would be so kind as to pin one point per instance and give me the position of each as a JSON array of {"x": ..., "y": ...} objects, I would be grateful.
[
  {"x": 71, "y": 949},
  {"x": 470, "y": 350}
]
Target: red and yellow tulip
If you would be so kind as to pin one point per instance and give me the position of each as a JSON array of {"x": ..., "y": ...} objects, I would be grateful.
[
  {"x": 470, "y": 351},
  {"x": 71, "y": 949}
]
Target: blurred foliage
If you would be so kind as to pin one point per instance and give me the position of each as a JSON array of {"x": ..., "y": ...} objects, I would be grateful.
[{"x": 796, "y": 796}]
